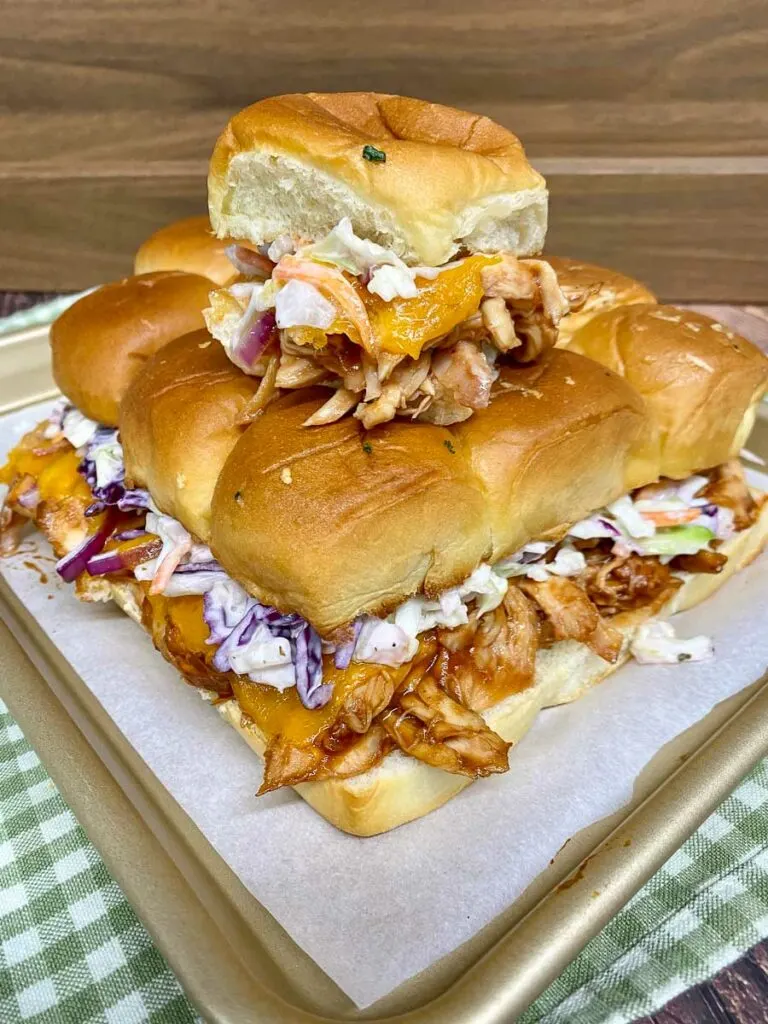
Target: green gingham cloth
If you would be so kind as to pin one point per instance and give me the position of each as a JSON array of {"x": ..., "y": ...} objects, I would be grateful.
[{"x": 72, "y": 950}]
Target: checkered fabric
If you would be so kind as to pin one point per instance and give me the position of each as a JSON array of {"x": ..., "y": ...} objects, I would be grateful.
[
  {"x": 700, "y": 912},
  {"x": 71, "y": 948}
]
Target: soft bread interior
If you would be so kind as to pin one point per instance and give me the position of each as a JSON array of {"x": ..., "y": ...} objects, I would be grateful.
[
  {"x": 268, "y": 195},
  {"x": 402, "y": 788}
]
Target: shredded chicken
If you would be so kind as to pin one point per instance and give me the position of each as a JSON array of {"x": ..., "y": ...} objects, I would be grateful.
[
  {"x": 573, "y": 616},
  {"x": 265, "y": 393},
  {"x": 620, "y": 583},
  {"x": 10, "y": 531},
  {"x": 498, "y": 321},
  {"x": 368, "y": 699},
  {"x": 287, "y": 764},
  {"x": 338, "y": 405},
  {"x": 169, "y": 640},
  {"x": 461, "y": 379},
  {"x": 465, "y": 373},
  {"x": 386, "y": 363},
  {"x": 406, "y": 379},
  {"x": 702, "y": 561},
  {"x": 534, "y": 300},
  {"x": 298, "y": 372},
  {"x": 430, "y": 725},
  {"x": 728, "y": 488},
  {"x": 382, "y": 409},
  {"x": 63, "y": 522},
  {"x": 23, "y": 494},
  {"x": 493, "y": 656}
]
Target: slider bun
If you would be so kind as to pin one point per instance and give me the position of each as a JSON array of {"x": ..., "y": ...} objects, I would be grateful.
[
  {"x": 402, "y": 788},
  {"x": 333, "y": 521},
  {"x": 701, "y": 382},
  {"x": 179, "y": 421},
  {"x": 101, "y": 342},
  {"x": 602, "y": 287},
  {"x": 187, "y": 245},
  {"x": 451, "y": 180}
]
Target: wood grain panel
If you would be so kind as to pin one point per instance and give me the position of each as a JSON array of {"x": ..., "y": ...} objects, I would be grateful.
[
  {"x": 692, "y": 237},
  {"x": 67, "y": 234},
  {"x": 110, "y": 110},
  {"x": 585, "y": 76}
]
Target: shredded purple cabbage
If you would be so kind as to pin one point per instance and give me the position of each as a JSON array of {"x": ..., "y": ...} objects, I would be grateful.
[
  {"x": 233, "y": 623},
  {"x": 611, "y": 527},
  {"x": 530, "y": 556},
  {"x": 114, "y": 492},
  {"x": 129, "y": 534},
  {"x": 308, "y": 663},
  {"x": 343, "y": 655},
  {"x": 210, "y": 566}
]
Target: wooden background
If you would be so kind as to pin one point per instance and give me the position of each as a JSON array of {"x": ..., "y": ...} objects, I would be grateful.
[{"x": 648, "y": 117}]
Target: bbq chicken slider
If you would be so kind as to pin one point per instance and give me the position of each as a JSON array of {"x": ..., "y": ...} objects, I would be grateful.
[
  {"x": 390, "y": 254},
  {"x": 382, "y": 613}
]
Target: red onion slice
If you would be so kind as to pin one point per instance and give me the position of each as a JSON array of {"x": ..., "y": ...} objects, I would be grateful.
[
  {"x": 251, "y": 346},
  {"x": 130, "y": 534},
  {"x": 248, "y": 262},
  {"x": 70, "y": 566},
  {"x": 106, "y": 562}
]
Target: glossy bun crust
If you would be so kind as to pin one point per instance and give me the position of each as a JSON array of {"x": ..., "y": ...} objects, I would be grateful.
[
  {"x": 334, "y": 521},
  {"x": 592, "y": 289},
  {"x": 101, "y": 342},
  {"x": 700, "y": 381},
  {"x": 437, "y": 179},
  {"x": 179, "y": 421},
  {"x": 187, "y": 245}
]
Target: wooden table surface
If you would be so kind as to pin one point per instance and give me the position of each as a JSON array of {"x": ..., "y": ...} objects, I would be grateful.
[{"x": 739, "y": 993}]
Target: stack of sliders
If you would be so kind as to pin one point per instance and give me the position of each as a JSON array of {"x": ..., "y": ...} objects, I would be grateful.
[{"x": 380, "y": 610}]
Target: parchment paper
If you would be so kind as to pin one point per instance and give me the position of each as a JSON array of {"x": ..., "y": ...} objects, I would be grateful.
[{"x": 373, "y": 912}]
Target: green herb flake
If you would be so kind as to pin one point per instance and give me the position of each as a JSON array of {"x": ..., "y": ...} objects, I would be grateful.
[
  {"x": 367, "y": 448},
  {"x": 376, "y": 156},
  {"x": 449, "y": 446},
  {"x": 683, "y": 656}
]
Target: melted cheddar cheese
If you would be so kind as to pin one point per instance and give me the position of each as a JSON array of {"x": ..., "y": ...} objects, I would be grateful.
[{"x": 405, "y": 326}]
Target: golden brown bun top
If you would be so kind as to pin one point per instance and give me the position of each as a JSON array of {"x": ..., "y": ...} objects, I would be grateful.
[
  {"x": 188, "y": 245},
  {"x": 294, "y": 165},
  {"x": 333, "y": 521},
  {"x": 591, "y": 289},
  {"x": 701, "y": 382},
  {"x": 179, "y": 420},
  {"x": 100, "y": 343}
]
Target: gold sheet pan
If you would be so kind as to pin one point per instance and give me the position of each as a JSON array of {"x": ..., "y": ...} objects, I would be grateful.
[{"x": 233, "y": 959}]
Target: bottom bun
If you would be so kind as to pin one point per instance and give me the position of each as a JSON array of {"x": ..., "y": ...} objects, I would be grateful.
[{"x": 402, "y": 788}]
